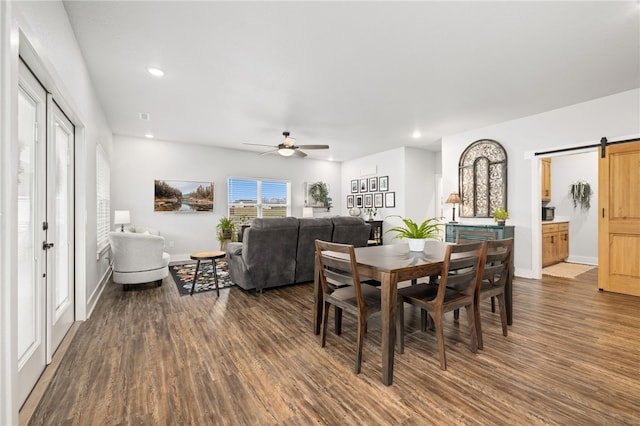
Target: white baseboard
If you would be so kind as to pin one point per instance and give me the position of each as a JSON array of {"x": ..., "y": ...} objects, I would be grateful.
[
  {"x": 181, "y": 257},
  {"x": 523, "y": 273},
  {"x": 587, "y": 260},
  {"x": 93, "y": 299}
]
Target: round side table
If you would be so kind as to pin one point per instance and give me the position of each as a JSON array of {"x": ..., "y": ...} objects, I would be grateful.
[{"x": 206, "y": 255}]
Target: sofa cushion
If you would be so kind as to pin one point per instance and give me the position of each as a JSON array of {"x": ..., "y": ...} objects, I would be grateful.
[
  {"x": 350, "y": 230},
  {"x": 310, "y": 229}
]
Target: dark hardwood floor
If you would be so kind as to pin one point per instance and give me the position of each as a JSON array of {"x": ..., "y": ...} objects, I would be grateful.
[{"x": 149, "y": 356}]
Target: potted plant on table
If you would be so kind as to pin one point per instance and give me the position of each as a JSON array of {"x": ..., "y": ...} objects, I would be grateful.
[
  {"x": 417, "y": 234},
  {"x": 225, "y": 229},
  {"x": 500, "y": 215}
]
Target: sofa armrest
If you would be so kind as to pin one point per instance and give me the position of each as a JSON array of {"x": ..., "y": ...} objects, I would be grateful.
[{"x": 234, "y": 249}]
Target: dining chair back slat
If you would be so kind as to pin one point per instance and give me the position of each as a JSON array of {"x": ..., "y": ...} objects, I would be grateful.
[{"x": 460, "y": 277}]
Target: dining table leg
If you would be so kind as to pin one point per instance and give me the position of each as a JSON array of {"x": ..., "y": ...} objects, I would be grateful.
[
  {"x": 317, "y": 299},
  {"x": 389, "y": 291}
]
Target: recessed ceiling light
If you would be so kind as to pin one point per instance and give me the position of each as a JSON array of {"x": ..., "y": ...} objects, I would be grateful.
[
  {"x": 148, "y": 135},
  {"x": 155, "y": 71},
  {"x": 416, "y": 134}
]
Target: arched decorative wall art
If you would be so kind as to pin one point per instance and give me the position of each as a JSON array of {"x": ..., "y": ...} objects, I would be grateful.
[{"x": 482, "y": 176}]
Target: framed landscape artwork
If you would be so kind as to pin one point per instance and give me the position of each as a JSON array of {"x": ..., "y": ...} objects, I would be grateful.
[{"x": 182, "y": 196}]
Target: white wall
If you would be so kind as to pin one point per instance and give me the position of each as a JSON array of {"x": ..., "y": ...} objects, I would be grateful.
[
  {"x": 411, "y": 174},
  {"x": 47, "y": 43},
  {"x": 583, "y": 224},
  {"x": 138, "y": 162},
  {"x": 612, "y": 116}
]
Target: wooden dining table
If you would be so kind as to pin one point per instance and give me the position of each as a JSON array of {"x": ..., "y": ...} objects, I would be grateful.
[{"x": 389, "y": 264}]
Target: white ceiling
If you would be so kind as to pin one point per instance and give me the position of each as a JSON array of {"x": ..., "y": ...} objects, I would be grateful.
[{"x": 359, "y": 76}]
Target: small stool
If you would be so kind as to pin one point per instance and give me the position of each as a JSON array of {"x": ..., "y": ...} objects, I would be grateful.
[{"x": 207, "y": 255}]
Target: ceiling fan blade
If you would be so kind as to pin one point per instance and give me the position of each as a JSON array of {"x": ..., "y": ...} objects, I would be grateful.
[
  {"x": 268, "y": 152},
  {"x": 313, "y": 146},
  {"x": 258, "y": 144},
  {"x": 299, "y": 153}
]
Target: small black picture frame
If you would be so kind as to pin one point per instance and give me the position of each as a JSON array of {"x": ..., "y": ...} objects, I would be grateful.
[
  {"x": 363, "y": 186},
  {"x": 373, "y": 184},
  {"x": 368, "y": 200},
  {"x": 354, "y": 186},
  {"x": 389, "y": 199},
  {"x": 378, "y": 200},
  {"x": 383, "y": 183},
  {"x": 358, "y": 200},
  {"x": 349, "y": 201}
]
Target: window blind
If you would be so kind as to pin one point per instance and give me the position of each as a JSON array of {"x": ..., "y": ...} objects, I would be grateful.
[
  {"x": 103, "y": 200},
  {"x": 251, "y": 198}
]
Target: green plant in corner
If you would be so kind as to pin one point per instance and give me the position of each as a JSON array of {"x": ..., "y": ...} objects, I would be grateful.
[
  {"x": 225, "y": 229},
  {"x": 500, "y": 215},
  {"x": 580, "y": 192},
  {"x": 429, "y": 228}
]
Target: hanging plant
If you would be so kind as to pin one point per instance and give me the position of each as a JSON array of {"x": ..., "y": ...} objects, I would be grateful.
[
  {"x": 319, "y": 192},
  {"x": 580, "y": 192}
]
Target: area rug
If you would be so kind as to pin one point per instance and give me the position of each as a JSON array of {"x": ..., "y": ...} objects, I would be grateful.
[
  {"x": 183, "y": 276},
  {"x": 566, "y": 270}
]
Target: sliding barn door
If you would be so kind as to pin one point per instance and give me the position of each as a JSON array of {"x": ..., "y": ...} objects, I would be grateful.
[{"x": 619, "y": 219}]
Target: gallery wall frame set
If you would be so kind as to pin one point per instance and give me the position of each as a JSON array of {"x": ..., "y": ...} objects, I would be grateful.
[{"x": 371, "y": 192}]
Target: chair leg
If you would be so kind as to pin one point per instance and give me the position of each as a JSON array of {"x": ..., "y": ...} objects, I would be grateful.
[
  {"x": 473, "y": 331},
  {"x": 437, "y": 319},
  {"x": 325, "y": 322},
  {"x": 338, "y": 320},
  {"x": 424, "y": 320},
  {"x": 360, "y": 342},
  {"x": 478, "y": 324},
  {"x": 400, "y": 327},
  {"x": 503, "y": 313},
  {"x": 456, "y": 314},
  {"x": 493, "y": 304}
]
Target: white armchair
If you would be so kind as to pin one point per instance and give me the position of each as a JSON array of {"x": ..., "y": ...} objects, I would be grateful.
[{"x": 138, "y": 258}]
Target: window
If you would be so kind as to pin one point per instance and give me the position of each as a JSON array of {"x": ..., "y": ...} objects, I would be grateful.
[
  {"x": 103, "y": 200},
  {"x": 251, "y": 198}
]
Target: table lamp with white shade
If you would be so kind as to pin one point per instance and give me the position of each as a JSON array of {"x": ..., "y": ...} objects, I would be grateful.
[{"x": 121, "y": 217}]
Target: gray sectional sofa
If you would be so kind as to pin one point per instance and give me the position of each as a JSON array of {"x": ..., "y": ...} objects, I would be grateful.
[{"x": 277, "y": 252}]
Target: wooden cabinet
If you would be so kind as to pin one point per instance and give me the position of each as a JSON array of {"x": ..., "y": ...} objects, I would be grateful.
[
  {"x": 375, "y": 237},
  {"x": 500, "y": 232},
  {"x": 546, "y": 179},
  {"x": 555, "y": 242}
]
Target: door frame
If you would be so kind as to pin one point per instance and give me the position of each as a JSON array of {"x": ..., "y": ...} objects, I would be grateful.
[
  {"x": 536, "y": 187},
  {"x": 14, "y": 44}
]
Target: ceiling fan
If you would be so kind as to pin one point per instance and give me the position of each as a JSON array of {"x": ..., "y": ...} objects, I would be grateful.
[{"x": 288, "y": 147}]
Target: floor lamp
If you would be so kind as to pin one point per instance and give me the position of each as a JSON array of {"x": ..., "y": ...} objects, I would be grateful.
[{"x": 454, "y": 199}]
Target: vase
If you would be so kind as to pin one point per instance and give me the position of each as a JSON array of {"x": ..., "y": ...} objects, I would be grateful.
[
  {"x": 416, "y": 244},
  {"x": 501, "y": 222}
]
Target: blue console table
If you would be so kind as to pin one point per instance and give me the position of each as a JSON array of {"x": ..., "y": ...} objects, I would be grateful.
[{"x": 484, "y": 232}]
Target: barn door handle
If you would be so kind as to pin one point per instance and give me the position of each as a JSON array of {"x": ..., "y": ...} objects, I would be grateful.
[{"x": 46, "y": 245}]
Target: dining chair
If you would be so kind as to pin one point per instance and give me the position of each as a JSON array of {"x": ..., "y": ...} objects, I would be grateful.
[
  {"x": 342, "y": 288},
  {"x": 494, "y": 278},
  {"x": 456, "y": 288}
]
